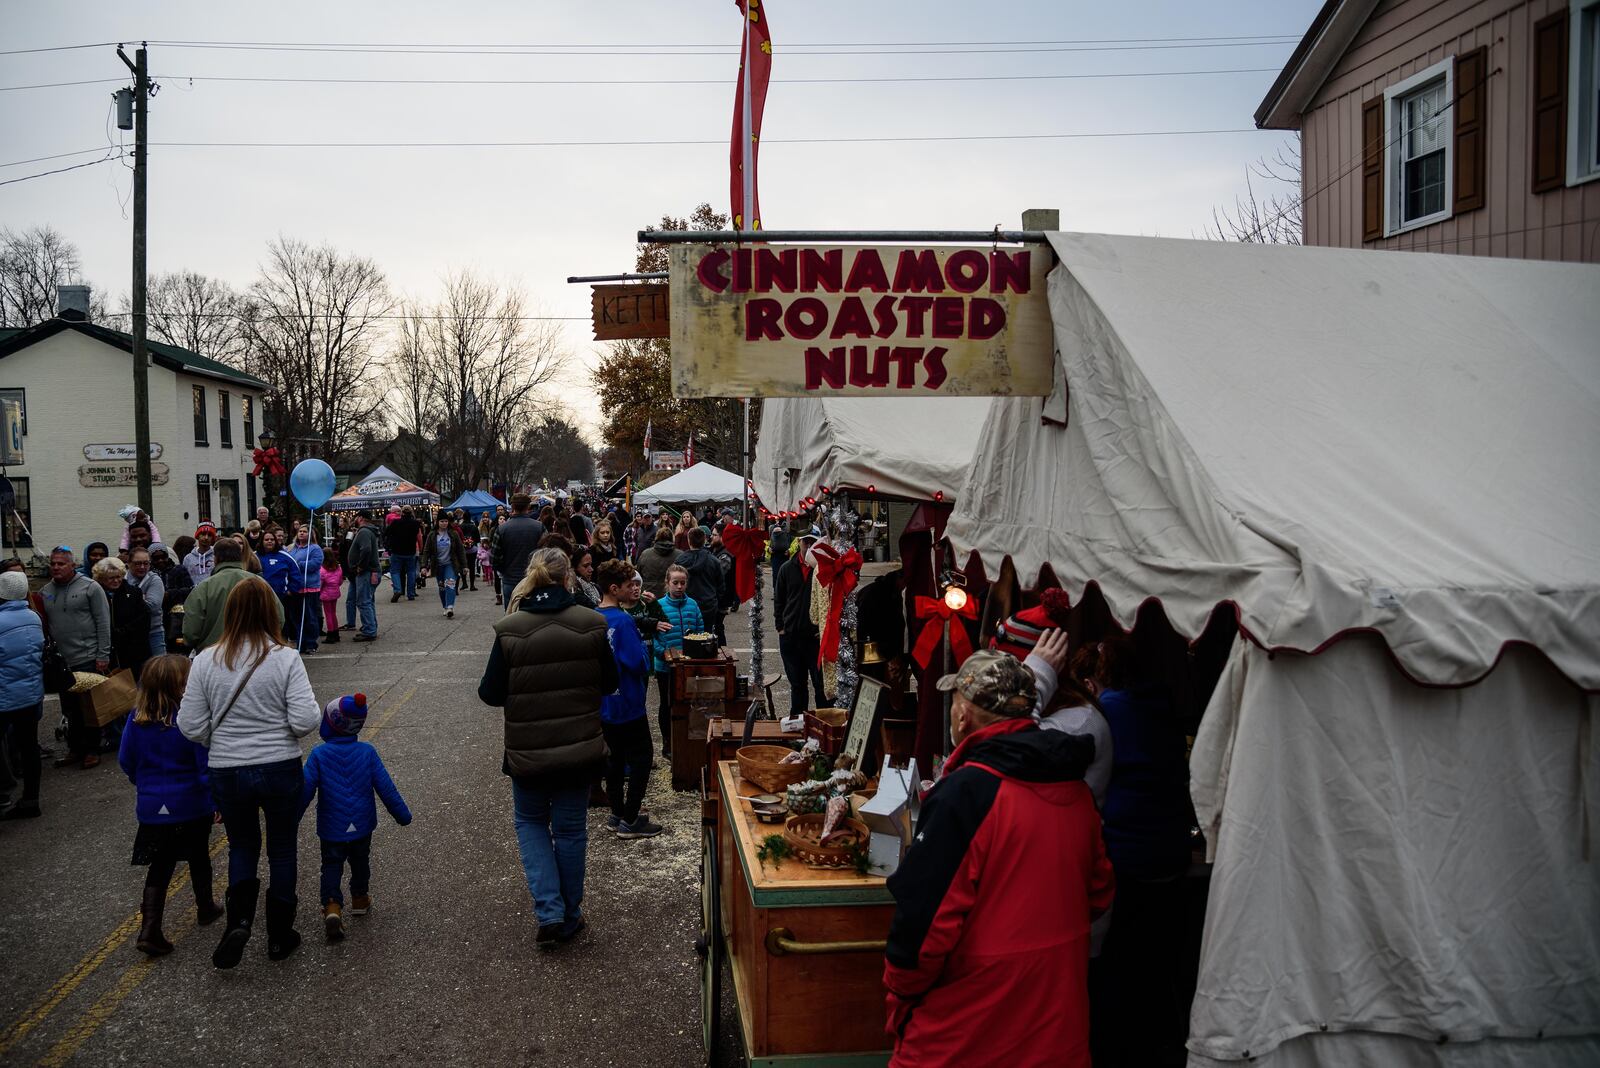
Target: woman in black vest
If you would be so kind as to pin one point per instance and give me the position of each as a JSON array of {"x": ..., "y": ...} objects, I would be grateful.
[{"x": 549, "y": 667}]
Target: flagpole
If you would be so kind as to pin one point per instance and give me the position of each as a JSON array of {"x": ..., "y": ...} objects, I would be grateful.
[{"x": 747, "y": 167}]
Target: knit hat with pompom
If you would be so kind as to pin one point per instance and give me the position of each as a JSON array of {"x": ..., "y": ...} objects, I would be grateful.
[{"x": 1021, "y": 632}]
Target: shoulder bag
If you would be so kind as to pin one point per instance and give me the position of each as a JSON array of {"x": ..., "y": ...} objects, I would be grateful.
[{"x": 262, "y": 659}]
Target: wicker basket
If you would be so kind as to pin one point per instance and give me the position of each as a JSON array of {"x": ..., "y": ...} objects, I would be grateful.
[
  {"x": 760, "y": 764},
  {"x": 803, "y": 833}
]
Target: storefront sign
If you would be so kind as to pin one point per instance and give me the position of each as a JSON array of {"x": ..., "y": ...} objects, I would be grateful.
[
  {"x": 876, "y": 321},
  {"x": 630, "y": 311},
  {"x": 666, "y": 461},
  {"x": 119, "y": 452},
  {"x": 108, "y": 475}
]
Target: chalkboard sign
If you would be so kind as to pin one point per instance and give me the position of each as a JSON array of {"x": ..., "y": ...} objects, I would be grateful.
[{"x": 863, "y": 718}]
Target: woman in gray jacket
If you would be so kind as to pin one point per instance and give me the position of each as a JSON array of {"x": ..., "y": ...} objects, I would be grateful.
[{"x": 250, "y": 702}]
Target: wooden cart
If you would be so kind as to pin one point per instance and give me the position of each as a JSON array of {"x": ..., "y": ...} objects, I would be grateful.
[{"x": 804, "y": 946}]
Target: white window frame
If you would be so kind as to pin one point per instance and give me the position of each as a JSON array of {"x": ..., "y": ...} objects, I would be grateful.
[
  {"x": 1583, "y": 70},
  {"x": 1392, "y": 98}
]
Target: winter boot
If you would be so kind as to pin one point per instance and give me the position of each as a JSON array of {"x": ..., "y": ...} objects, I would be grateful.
[
  {"x": 241, "y": 901},
  {"x": 151, "y": 941},
  {"x": 282, "y": 938},
  {"x": 206, "y": 909},
  {"x": 333, "y": 920},
  {"x": 360, "y": 904}
]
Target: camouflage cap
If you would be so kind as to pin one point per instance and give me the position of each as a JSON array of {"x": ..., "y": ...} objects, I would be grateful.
[{"x": 996, "y": 682}]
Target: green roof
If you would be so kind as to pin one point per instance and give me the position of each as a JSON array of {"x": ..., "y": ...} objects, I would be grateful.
[{"x": 171, "y": 357}]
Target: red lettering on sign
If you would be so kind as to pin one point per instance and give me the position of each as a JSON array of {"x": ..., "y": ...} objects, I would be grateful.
[
  {"x": 825, "y": 368},
  {"x": 905, "y": 357},
  {"x": 867, "y": 273},
  {"x": 915, "y": 308},
  {"x": 1012, "y": 269},
  {"x": 860, "y": 376},
  {"x": 805, "y": 318},
  {"x": 948, "y": 316},
  {"x": 966, "y": 270},
  {"x": 987, "y": 318},
  {"x": 888, "y": 321},
  {"x": 821, "y": 270},
  {"x": 933, "y": 367},
  {"x": 761, "y": 320},
  {"x": 851, "y": 319},
  {"x": 918, "y": 272},
  {"x": 775, "y": 270},
  {"x": 741, "y": 270},
  {"x": 710, "y": 272}
]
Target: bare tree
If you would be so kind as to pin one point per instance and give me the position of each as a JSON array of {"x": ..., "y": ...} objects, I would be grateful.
[
  {"x": 195, "y": 312},
  {"x": 311, "y": 324},
  {"x": 33, "y": 262},
  {"x": 490, "y": 363},
  {"x": 1274, "y": 218}
]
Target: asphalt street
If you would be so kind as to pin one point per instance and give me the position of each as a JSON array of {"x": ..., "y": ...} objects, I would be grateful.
[{"x": 443, "y": 971}]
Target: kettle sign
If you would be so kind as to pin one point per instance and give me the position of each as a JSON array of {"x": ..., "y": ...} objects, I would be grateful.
[{"x": 876, "y": 321}]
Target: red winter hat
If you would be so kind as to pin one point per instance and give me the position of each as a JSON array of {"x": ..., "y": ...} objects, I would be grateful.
[{"x": 1021, "y": 632}]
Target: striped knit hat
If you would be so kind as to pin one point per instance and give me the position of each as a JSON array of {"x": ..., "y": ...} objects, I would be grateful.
[
  {"x": 346, "y": 715},
  {"x": 1018, "y": 634}
]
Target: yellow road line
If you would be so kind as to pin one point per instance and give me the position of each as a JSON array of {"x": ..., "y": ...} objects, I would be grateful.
[{"x": 102, "y": 1010}]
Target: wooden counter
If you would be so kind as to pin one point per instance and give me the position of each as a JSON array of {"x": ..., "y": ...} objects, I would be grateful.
[{"x": 798, "y": 1007}]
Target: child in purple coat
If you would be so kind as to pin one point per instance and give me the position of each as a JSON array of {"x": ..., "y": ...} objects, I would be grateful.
[
  {"x": 174, "y": 805},
  {"x": 347, "y": 772}
]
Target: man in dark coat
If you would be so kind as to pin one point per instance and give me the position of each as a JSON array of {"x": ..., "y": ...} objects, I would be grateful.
[
  {"x": 705, "y": 579},
  {"x": 799, "y": 641},
  {"x": 514, "y": 543}
]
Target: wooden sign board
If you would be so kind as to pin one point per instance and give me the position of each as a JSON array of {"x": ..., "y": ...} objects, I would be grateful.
[
  {"x": 860, "y": 320},
  {"x": 107, "y": 475},
  {"x": 633, "y": 311},
  {"x": 127, "y": 451}
]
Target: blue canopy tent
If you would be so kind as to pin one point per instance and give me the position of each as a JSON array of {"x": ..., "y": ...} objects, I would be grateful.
[{"x": 475, "y": 503}]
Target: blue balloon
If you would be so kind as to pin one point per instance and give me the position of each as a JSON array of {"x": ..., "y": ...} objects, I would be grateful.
[{"x": 312, "y": 483}]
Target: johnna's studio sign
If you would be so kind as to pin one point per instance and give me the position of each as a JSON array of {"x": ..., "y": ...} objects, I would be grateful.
[{"x": 801, "y": 321}]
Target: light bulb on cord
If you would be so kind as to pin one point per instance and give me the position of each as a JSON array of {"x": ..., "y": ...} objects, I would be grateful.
[{"x": 955, "y": 598}]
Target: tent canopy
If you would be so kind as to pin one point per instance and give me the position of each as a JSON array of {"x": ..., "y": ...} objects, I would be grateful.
[
  {"x": 701, "y": 484},
  {"x": 381, "y": 489},
  {"x": 1332, "y": 440},
  {"x": 475, "y": 502},
  {"x": 907, "y": 447}
]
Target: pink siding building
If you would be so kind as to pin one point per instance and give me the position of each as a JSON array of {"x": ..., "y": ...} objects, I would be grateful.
[{"x": 1460, "y": 126}]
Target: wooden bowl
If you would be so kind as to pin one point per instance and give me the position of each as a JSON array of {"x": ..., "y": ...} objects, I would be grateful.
[
  {"x": 804, "y": 834},
  {"x": 760, "y": 764}
]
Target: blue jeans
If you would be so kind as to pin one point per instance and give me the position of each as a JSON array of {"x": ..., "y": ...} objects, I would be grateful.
[
  {"x": 403, "y": 574},
  {"x": 361, "y": 593},
  {"x": 505, "y": 592},
  {"x": 553, "y": 837},
  {"x": 350, "y": 602},
  {"x": 444, "y": 577},
  {"x": 302, "y": 620},
  {"x": 158, "y": 642},
  {"x": 334, "y": 855},
  {"x": 244, "y": 795}
]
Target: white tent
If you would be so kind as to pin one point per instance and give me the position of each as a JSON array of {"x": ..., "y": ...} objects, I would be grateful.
[
  {"x": 1387, "y": 460},
  {"x": 701, "y": 484},
  {"x": 908, "y": 447}
]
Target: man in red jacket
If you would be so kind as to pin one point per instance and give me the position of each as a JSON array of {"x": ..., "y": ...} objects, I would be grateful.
[{"x": 988, "y": 955}]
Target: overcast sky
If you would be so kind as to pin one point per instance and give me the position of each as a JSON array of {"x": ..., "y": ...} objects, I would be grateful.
[{"x": 537, "y": 214}]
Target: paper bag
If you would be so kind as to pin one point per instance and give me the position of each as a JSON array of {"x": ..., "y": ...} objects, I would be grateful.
[{"x": 110, "y": 699}]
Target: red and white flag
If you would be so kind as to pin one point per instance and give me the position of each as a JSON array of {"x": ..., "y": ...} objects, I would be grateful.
[
  {"x": 688, "y": 453},
  {"x": 755, "y": 72},
  {"x": 647, "y": 438}
]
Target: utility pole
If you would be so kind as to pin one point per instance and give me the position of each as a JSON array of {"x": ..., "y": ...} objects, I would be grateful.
[{"x": 141, "y": 355}]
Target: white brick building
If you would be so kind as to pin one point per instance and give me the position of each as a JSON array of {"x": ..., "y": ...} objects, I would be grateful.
[{"x": 75, "y": 381}]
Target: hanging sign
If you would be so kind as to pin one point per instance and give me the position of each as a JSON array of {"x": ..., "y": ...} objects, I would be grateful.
[
  {"x": 874, "y": 321},
  {"x": 11, "y": 431},
  {"x": 666, "y": 461},
  {"x": 106, "y": 475},
  {"x": 632, "y": 311},
  {"x": 126, "y": 451}
]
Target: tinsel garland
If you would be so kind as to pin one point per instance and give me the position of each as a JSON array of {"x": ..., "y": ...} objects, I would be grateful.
[
  {"x": 844, "y": 522},
  {"x": 757, "y": 635}
]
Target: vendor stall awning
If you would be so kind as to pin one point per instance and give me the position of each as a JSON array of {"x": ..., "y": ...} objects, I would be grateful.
[
  {"x": 701, "y": 484},
  {"x": 475, "y": 501},
  {"x": 1332, "y": 440},
  {"x": 906, "y": 447},
  {"x": 381, "y": 489}
]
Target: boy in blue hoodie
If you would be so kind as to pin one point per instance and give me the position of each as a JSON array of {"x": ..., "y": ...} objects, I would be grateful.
[
  {"x": 348, "y": 772},
  {"x": 623, "y": 719}
]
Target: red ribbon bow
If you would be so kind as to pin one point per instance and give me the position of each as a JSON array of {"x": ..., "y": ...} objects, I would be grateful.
[
  {"x": 838, "y": 572},
  {"x": 936, "y": 612},
  {"x": 267, "y": 459},
  {"x": 745, "y": 546}
]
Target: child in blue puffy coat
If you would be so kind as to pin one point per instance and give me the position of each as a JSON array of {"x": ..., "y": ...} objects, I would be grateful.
[{"x": 347, "y": 772}]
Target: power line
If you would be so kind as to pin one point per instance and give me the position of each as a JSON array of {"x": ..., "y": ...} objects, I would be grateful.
[
  {"x": 57, "y": 48},
  {"x": 714, "y": 141},
  {"x": 1286, "y": 37},
  {"x": 58, "y": 170},
  {"x": 57, "y": 85},
  {"x": 58, "y": 155},
  {"x": 390, "y": 51}
]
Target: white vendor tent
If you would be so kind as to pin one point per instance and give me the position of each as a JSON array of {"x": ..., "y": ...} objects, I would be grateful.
[
  {"x": 1385, "y": 464},
  {"x": 904, "y": 447},
  {"x": 701, "y": 484}
]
